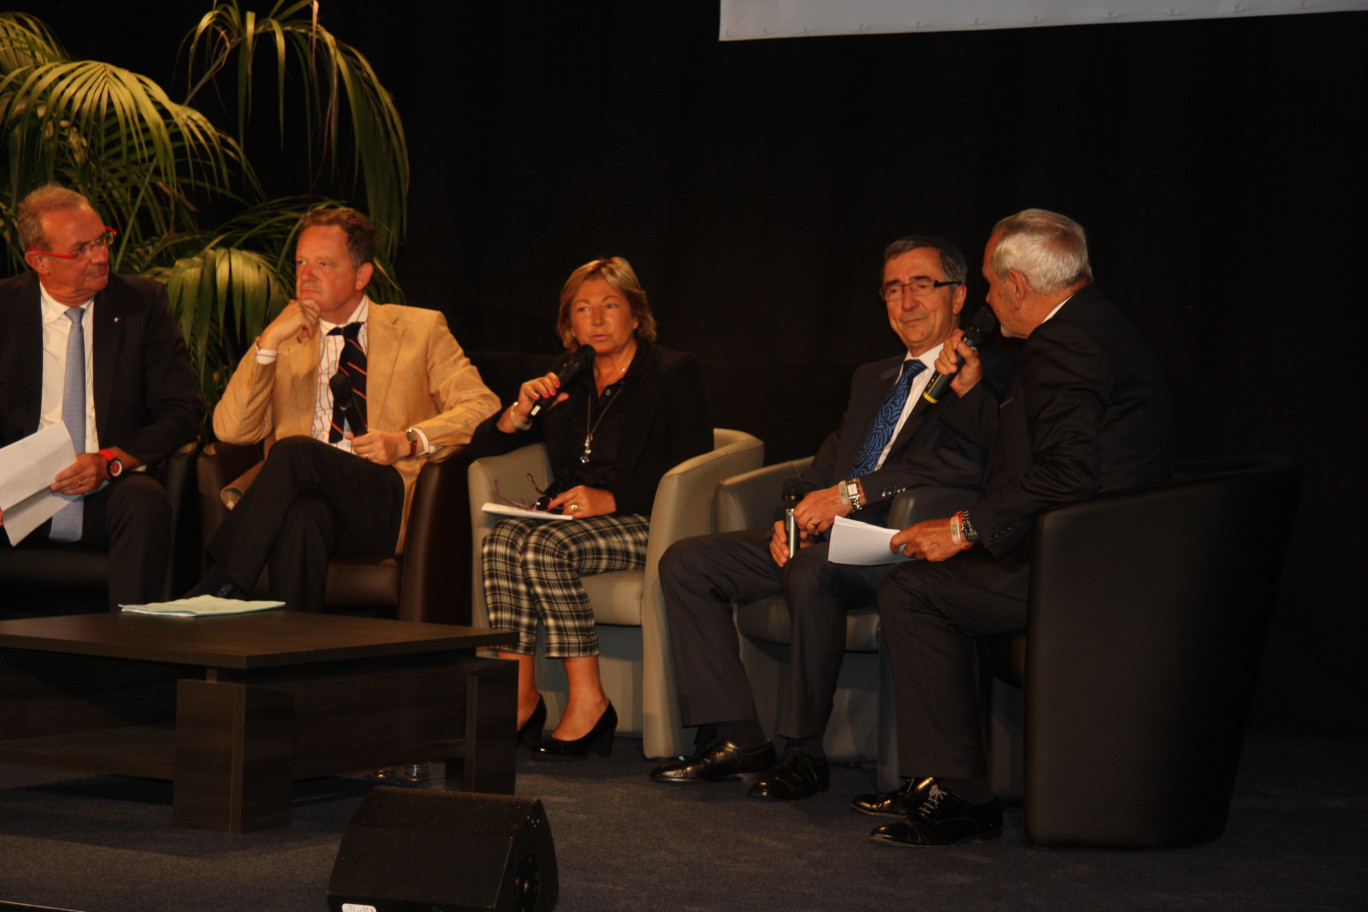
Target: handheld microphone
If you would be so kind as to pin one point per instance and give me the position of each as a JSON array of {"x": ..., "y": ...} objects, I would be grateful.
[
  {"x": 793, "y": 492},
  {"x": 980, "y": 328},
  {"x": 341, "y": 387},
  {"x": 566, "y": 368}
]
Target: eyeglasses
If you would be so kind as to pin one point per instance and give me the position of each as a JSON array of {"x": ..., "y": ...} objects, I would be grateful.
[
  {"x": 104, "y": 240},
  {"x": 917, "y": 285},
  {"x": 541, "y": 503}
]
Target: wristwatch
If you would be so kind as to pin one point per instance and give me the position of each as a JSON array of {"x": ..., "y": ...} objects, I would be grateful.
[
  {"x": 114, "y": 463},
  {"x": 851, "y": 488},
  {"x": 967, "y": 528},
  {"x": 413, "y": 439}
]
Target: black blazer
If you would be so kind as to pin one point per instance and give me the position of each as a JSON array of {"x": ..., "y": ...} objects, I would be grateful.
[
  {"x": 146, "y": 396},
  {"x": 1087, "y": 412},
  {"x": 926, "y": 450},
  {"x": 659, "y": 419}
]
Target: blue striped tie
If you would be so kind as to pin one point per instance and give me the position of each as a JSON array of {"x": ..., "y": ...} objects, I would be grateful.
[
  {"x": 867, "y": 460},
  {"x": 66, "y": 525}
]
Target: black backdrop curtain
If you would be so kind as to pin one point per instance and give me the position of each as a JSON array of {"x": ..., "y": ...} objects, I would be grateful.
[{"x": 1217, "y": 165}]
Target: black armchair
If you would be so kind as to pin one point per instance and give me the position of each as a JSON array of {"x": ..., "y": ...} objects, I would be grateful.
[
  {"x": 1148, "y": 615},
  {"x": 429, "y": 581}
]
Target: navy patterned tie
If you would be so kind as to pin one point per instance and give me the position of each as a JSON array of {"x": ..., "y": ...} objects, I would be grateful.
[
  {"x": 67, "y": 524},
  {"x": 351, "y": 362},
  {"x": 882, "y": 431}
]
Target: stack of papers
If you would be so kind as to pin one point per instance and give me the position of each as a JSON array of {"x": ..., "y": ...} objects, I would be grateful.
[
  {"x": 201, "y": 606},
  {"x": 861, "y": 543},
  {"x": 506, "y": 510},
  {"x": 27, "y": 469}
]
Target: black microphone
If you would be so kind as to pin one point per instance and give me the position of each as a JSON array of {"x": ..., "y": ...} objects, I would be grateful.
[
  {"x": 567, "y": 367},
  {"x": 341, "y": 387},
  {"x": 980, "y": 328},
  {"x": 793, "y": 492}
]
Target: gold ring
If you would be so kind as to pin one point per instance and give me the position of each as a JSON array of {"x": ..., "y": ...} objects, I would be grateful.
[{"x": 574, "y": 508}]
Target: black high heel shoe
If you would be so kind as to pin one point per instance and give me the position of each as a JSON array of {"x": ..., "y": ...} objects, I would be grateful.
[
  {"x": 601, "y": 735},
  {"x": 531, "y": 731}
]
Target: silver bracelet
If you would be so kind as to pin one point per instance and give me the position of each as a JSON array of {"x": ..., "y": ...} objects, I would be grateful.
[{"x": 523, "y": 426}]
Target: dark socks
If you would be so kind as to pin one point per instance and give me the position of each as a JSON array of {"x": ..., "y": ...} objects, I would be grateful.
[
  {"x": 742, "y": 732},
  {"x": 974, "y": 791},
  {"x": 811, "y": 745}
]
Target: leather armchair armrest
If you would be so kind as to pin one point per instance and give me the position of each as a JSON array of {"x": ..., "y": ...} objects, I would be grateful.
[
  {"x": 437, "y": 566},
  {"x": 218, "y": 464},
  {"x": 749, "y": 500},
  {"x": 929, "y": 502}
]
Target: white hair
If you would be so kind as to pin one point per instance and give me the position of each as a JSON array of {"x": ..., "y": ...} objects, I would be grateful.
[{"x": 1049, "y": 249}]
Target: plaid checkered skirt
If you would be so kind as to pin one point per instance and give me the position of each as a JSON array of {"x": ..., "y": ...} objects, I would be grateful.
[{"x": 532, "y": 573}]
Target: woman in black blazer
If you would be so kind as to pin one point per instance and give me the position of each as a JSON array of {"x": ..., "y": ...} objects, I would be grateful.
[{"x": 611, "y": 432}]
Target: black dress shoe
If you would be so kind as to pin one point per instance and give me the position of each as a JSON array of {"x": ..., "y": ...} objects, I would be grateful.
[
  {"x": 531, "y": 731},
  {"x": 601, "y": 735},
  {"x": 718, "y": 761},
  {"x": 797, "y": 775},
  {"x": 943, "y": 820},
  {"x": 901, "y": 802}
]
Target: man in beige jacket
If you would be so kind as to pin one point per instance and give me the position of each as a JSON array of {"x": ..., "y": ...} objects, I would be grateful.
[{"x": 326, "y": 485}]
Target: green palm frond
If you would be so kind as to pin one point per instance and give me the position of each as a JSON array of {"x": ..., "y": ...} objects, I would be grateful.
[
  {"x": 137, "y": 155},
  {"x": 338, "y": 86},
  {"x": 26, "y": 41},
  {"x": 222, "y": 296}
]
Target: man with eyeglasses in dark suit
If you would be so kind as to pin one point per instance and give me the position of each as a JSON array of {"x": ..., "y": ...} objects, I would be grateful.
[
  {"x": 101, "y": 353},
  {"x": 890, "y": 438}
]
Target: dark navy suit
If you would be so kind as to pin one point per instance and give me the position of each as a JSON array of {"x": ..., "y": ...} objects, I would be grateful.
[
  {"x": 703, "y": 577},
  {"x": 1087, "y": 412}
]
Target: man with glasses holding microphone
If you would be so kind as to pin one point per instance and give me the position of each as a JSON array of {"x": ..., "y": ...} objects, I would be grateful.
[
  {"x": 101, "y": 353},
  {"x": 889, "y": 439}
]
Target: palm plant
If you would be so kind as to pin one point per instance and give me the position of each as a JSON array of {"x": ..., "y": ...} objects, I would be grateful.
[{"x": 181, "y": 189}]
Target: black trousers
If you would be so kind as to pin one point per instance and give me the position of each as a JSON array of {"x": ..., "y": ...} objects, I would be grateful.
[
  {"x": 131, "y": 519},
  {"x": 702, "y": 577},
  {"x": 309, "y": 501},
  {"x": 930, "y": 613}
]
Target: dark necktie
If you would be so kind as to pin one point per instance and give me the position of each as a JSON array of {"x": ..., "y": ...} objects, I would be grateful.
[
  {"x": 882, "y": 431},
  {"x": 67, "y": 523},
  {"x": 351, "y": 362}
]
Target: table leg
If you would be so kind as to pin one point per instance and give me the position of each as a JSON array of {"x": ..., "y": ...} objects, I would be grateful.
[
  {"x": 491, "y": 737},
  {"x": 235, "y": 746}
]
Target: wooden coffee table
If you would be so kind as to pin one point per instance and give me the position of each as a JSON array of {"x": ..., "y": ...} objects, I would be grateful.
[{"x": 234, "y": 709}]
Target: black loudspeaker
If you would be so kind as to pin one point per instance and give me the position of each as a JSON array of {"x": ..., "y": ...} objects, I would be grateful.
[{"x": 421, "y": 850}]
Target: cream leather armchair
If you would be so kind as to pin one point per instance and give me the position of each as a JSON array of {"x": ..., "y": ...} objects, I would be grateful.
[{"x": 634, "y": 642}]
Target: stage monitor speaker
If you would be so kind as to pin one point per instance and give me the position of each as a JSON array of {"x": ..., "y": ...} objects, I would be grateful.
[{"x": 423, "y": 850}]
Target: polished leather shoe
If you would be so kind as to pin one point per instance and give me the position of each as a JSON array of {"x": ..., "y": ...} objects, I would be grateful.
[
  {"x": 600, "y": 736},
  {"x": 531, "y": 731},
  {"x": 901, "y": 802},
  {"x": 943, "y": 820},
  {"x": 718, "y": 761},
  {"x": 797, "y": 775}
]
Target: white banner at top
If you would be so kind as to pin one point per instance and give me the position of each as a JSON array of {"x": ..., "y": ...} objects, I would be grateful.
[{"x": 747, "y": 19}]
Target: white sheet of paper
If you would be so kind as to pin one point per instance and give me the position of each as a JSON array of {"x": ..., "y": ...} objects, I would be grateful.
[
  {"x": 861, "y": 543},
  {"x": 508, "y": 510},
  {"x": 27, "y": 468},
  {"x": 201, "y": 606}
]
